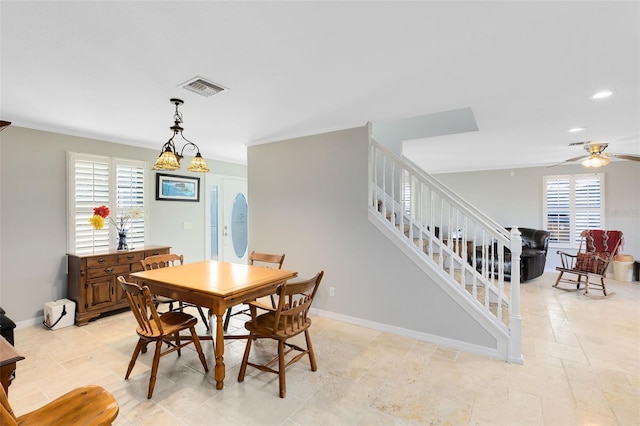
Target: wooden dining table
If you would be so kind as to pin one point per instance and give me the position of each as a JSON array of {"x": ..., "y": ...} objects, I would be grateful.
[{"x": 214, "y": 285}]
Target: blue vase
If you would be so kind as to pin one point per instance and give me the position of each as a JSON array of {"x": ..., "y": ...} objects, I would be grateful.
[{"x": 122, "y": 240}]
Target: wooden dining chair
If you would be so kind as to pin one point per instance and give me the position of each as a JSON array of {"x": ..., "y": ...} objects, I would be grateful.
[
  {"x": 597, "y": 249},
  {"x": 86, "y": 405},
  {"x": 163, "y": 261},
  {"x": 153, "y": 327},
  {"x": 287, "y": 320},
  {"x": 256, "y": 259}
]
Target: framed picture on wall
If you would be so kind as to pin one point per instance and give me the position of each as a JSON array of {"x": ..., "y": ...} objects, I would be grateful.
[{"x": 177, "y": 188}]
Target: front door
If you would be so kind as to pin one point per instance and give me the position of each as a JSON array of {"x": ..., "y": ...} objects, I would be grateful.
[
  {"x": 235, "y": 237},
  {"x": 227, "y": 219}
]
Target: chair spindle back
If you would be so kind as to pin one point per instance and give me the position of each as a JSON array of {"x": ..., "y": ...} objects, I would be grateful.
[
  {"x": 161, "y": 261},
  {"x": 294, "y": 302},
  {"x": 266, "y": 259},
  {"x": 143, "y": 308}
]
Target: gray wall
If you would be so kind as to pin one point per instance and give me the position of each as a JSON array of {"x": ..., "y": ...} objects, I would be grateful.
[
  {"x": 33, "y": 214},
  {"x": 515, "y": 197},
  {"x": 308, "y": 199}
]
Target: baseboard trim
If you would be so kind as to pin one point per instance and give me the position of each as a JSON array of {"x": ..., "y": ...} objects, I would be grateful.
[
  {"x": 30, "y": 322},
  {"x": 425, "y": 337}
]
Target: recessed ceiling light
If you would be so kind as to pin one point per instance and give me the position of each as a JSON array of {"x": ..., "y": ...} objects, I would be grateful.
[
  {"x": 576, "y": 129},
  {"x": 602, "y": 94}
]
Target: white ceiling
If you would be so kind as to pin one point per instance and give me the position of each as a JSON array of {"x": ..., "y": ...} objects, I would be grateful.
[{"x": 107, "y": 70}]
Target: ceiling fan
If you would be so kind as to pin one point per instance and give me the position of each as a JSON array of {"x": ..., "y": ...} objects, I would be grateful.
[{"x": 596, "y": 156}]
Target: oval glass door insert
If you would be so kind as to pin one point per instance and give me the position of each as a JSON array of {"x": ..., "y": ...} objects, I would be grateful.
[{"x": 239, "y": 235}]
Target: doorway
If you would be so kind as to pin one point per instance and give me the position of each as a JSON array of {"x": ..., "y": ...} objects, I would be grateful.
[{"x": 227, "y": 233}]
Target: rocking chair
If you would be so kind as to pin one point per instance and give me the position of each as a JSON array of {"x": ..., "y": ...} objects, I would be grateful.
[{"x": 596, "y": 250}]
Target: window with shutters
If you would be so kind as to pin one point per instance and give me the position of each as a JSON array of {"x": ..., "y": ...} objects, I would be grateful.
[
  {"x": 114, "y": 182},
  {"x": 573, "y": 203}
]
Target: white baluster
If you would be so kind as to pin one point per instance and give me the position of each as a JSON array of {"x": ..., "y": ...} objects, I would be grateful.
[
  {"x": 515, "y": 320},
  {"x": 384, "y": 187},
  {"x": 420, "y": 219},
  {"x": 500, "y": 280}
]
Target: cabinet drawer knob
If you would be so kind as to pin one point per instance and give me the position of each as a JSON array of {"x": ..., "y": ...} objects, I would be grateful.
[
  {"x": 108, "y": 270},
  {"x": 130, "y": 257},
  {"x": 100, "y": 260}
]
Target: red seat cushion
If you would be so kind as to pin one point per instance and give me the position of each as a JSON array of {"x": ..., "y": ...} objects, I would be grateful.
[{"x": 585, "y": 262}]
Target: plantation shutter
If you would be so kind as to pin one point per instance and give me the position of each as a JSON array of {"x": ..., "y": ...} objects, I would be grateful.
[
  {"x": 573, "y": 203},
  {"x": 91, "y": 189},
  {"x": 587, "y": 204},
  {"x": 95, "y": 181},
  {"x": 559, "y": 209},
  {"x": 130, "y": 196}
]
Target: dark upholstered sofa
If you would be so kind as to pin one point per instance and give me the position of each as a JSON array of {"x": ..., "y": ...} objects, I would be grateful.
[{"x": 535, "y": 243}]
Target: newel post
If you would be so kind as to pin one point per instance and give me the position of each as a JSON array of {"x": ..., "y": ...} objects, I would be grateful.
[{"x": 515, "y": 320}]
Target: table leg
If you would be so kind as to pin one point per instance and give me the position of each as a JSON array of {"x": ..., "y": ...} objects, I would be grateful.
[{"x": 219, "y": 351}]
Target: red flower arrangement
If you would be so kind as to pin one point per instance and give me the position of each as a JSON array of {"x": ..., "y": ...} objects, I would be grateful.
[{"x": 102, "y": 213}]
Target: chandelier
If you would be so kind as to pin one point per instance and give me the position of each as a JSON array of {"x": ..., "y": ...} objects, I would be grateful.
[{"x": 169, "y": 158}]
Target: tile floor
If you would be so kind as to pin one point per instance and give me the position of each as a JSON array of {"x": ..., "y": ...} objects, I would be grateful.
[{"x": 582, "y": 367}]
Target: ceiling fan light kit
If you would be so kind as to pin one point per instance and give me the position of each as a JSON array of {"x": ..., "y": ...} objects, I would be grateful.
[
  {"x": 596, "y": 157},
  {"x": 596, "y": 161},
  {"x": 169, "y": 159}
]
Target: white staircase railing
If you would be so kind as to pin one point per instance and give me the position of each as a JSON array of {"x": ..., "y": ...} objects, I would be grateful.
[{"x": 451, "y": 235}]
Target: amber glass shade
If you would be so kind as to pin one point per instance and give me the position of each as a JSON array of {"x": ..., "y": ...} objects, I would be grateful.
[
  {"x": 198, "y": 164},
  {"x": 166, "y": 161}
]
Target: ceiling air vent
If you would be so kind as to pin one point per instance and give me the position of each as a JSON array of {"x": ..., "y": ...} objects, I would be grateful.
[{"x": 203, "y": 87}]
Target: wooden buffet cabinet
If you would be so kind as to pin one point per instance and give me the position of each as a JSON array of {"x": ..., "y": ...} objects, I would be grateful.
[{"x": 91, "y": 280}]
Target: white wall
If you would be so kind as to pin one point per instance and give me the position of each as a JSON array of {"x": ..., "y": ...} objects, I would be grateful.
[
  {"x": 33, "y": 214},
  {"x": 393, "y": 133},
  {"x": 515, "y": 197},
  {"x": 308, "y": 199}
]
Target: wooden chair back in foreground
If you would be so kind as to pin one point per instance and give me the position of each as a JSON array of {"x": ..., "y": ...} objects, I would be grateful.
[
  {"x": 257, "y": 259},
  {"x": 289, "y": 319},
  {"x": 86, "y": 405},
  {"x": 164, "y": 261},
  {"x": 597, "y": 249},
  {"x": 153, "y": 327}
]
